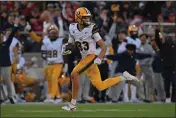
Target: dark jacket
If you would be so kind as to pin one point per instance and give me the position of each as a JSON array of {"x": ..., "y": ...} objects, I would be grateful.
[
  {"x": 157, "y": 63},
  {"x": 4, "y": 50},
  {"x": 127, "y": 62},
  {"x": 168, "y": 52}
]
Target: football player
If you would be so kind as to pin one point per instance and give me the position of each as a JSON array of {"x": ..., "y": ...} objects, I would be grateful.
[
  {"x": 21, "y": 79},
  {"x": 51, "y": 47},
  {"x": 132, "y": 38},
  {"x": 84, "y": 35}
]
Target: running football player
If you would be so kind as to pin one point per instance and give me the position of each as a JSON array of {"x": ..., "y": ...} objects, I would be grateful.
[{"x": 84, "y": 35}]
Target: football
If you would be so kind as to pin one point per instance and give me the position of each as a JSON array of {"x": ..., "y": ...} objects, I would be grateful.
[{"x": 69, "y": 46}]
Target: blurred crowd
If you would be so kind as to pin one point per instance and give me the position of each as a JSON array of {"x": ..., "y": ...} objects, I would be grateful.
[
  {"x": 62, "y": 13},
  {"x": 113, "y": 20}
]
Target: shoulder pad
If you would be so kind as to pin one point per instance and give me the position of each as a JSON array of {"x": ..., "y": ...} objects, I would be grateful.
[
  {"x": 45, "y": 40},
  {"x": 95, "y": 29},
  {"x": 73, "y": 24}
]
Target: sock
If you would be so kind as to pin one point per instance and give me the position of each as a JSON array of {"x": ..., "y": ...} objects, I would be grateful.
[
  {"x": 133, "y": 92},
  {"x": 122, "y": 78},
  {"x": 125, "y": 92},
  {"x": 73, "y": 101}
]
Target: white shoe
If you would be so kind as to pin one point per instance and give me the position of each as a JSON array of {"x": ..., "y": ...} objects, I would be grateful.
[
  {"x": 126, "y": 100},
  {"x": 49, "y": 100},
  {"x": 135, "y": 100},
  {"x": 129, "y": 76},
  {"x": 168, "y": 100},
  {"x": 69, "y": 107},
  {"x": 58, "y": 100}
]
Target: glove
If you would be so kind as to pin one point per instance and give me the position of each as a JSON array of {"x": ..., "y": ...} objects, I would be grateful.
[
  {"x": 50, "y": 60},
  {"x": 45, "y": 26},
  {"x": 65, "y": 69},
  {"x": 64, "y": 51},
  {"x": 18, "y": 66},
  {"x": 97, "y": 61},
  {"x": 27, "y": 27}
]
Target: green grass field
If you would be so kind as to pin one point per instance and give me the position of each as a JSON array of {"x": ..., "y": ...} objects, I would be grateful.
[{"x": 89, "y": 110}]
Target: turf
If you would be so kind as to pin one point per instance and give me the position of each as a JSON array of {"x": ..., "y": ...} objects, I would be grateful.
[{"x": 89, "y": 110}]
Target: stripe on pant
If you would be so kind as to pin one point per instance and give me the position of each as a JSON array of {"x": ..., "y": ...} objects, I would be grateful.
[{"x": 87, "y": 66}]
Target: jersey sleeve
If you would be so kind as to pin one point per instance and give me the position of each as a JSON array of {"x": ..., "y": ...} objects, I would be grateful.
[
  {"x": 95, "y": 29},
  {"x": 96, "y": 36},
  {"x": 35, "y": 37},
  {"x": 70, "y": 39},
  {"x": 43, "y": 52}
]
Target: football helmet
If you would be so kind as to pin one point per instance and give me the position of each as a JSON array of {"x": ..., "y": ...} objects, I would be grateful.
[
  {"x": 53, "y": 27},
  {"x": 132, "y": 28},
  {"x": 133, "y": 31},
  {"x": 83, "y": 16},
  {"x": 53, "y": 32}
]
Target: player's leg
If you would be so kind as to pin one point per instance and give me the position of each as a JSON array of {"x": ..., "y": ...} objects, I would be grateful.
[
  {"x": 94, "y": 75},
  {"x": 55, "y": 91},
  {"x": 48, "y": 75},
  {"x": 82, "y": 66}
]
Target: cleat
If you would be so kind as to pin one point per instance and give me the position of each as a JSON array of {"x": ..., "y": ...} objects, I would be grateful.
[
  {"x": 49, "y": 100},
  {"x": 69, "y": 107},
  {"x": 130, "y": 77},
  {"x": 58, "y": 100}
]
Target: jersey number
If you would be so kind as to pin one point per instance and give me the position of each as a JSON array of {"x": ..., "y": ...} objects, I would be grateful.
[
  {"x": 82, "y": 45},
  {"x": 52, "y": 53}
]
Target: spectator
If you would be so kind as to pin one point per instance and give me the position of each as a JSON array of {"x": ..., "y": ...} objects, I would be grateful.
[
  {"x": 167, "y": 50},
  {"x": 146, "y": 67},
  {"x": 157, "y": 67},
  {"x": 3, "y": 18},
  {"x": 167, "y": 8},
  {"x": 171, "y": 18},
  {"x": 126, "y": 62},
  {"x": 5, "y": 61},
  {"x": 9, "y": 23}
]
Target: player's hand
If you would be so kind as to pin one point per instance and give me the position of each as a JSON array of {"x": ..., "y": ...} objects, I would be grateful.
[
  {"x": 51, "y": 61},
  {"x": 64, "y": 50},
  {"x": 97, "y": 61},
  {"x": 27, "y": 27},
  {"x": 65, "y": 69}
]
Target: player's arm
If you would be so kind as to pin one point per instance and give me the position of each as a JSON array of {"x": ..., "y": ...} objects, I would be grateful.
[
  {"x": 15, "y": 51},
  {"x": 96, "y": 36},
  {"x": 32, "y": 34},
  {"x": 68, "y": 46},
  {"x": 35, "y": 37},
  {"x": 103, "y": 49},
  {"x": 43, "y": 52}
]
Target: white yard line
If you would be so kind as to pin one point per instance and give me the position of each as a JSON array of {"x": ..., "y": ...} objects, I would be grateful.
[
  {"x": 86, "y": 110},
  {"x": 42, "y": 103}
]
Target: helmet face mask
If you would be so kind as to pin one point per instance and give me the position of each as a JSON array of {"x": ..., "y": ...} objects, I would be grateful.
[
  {"x": 86, "y": 20},
  {"x": 133, "y": 31},
  {"x": 53, "y": 32},
  {"x": 83, "y": 16}
]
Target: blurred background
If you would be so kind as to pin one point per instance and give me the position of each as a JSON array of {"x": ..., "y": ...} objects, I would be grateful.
[{"x": 146, "y": 16}]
